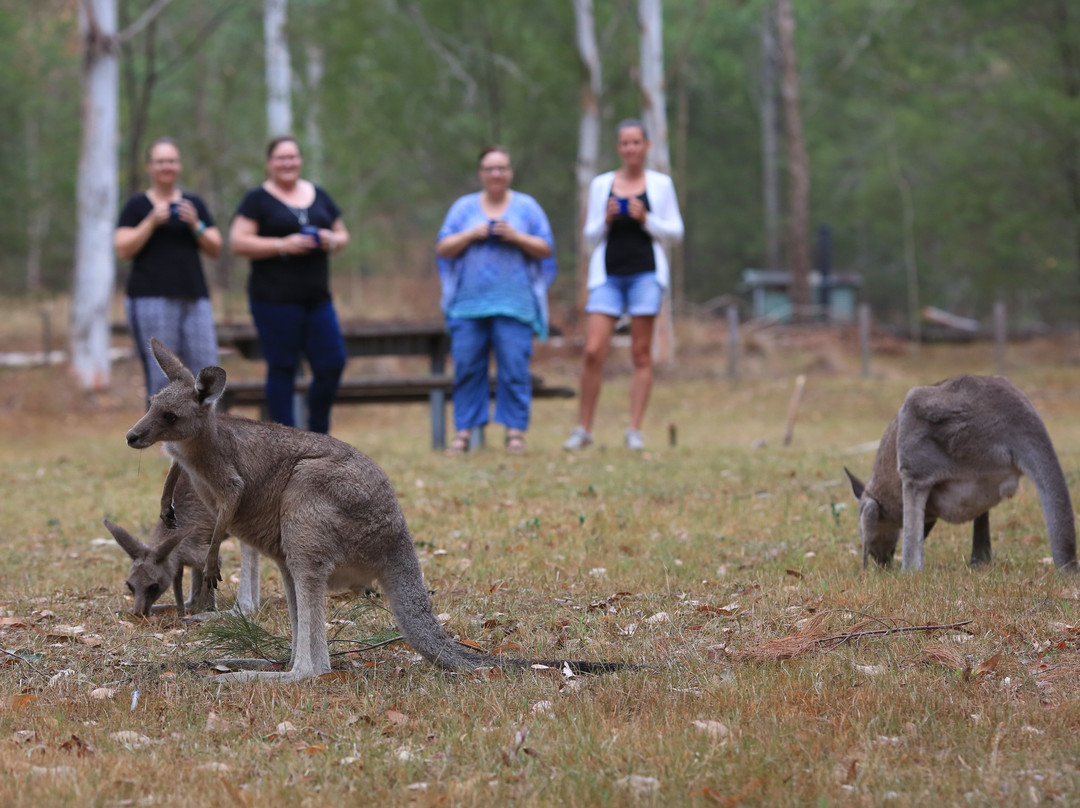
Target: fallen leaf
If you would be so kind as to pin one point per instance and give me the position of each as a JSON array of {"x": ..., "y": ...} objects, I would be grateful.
[
  {"x": 24, "y": 735},
  {"x": 540, "y": 708},
  {"x": 396, "y": 717},
  {"x": 988, "y": 666},
  {"x": 102, "y": 693},
  {"x": 77, "y": 746},
  {"x": 12, "y": 622},
  {"x": 716, "y": 730},
  {"x": 286, "y": 729},
  {"x": 20, "y": 701},
  {"x": 639, "y": 784},
  {"x": 870, "y": 670},
  {"x": 794, "y": 573},
  {"x": 659, "y": 617},
  {"x": 130, "y": 739}
]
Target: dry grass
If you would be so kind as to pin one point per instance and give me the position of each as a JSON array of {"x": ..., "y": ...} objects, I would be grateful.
[{"x": 685, "y": 559}]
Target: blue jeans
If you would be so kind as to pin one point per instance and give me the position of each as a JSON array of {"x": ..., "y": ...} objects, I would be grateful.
[
  {"x": 285, "y": 332},
  {"x": 637, "y": 295},
  {"x": 472, "y": 342}
]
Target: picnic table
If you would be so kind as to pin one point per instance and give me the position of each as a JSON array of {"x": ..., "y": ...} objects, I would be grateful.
[{"x": 423, "y": 338}]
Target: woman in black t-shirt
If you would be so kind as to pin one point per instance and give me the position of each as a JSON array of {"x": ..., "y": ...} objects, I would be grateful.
[
  {"x": 162, "y": 231},
  {"x": 288, "y": 227}
]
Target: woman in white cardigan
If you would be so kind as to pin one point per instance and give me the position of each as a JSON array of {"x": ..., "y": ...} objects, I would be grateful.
[{"x": 633, "y": 215}]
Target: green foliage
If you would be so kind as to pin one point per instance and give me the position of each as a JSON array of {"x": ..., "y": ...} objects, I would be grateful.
[{"x": 971, "y": 101}]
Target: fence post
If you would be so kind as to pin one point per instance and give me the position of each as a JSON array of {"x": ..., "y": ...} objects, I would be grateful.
[
  {"x": 864, "y": 339},
  {"x": 733, "y": 342},
  {"x": 1000, "y": 337}
]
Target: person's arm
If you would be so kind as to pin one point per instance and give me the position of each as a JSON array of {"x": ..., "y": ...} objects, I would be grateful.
[
  {"x": 598, "y": 215},
  {"x": 128, "y": 241},
  {"x": 206, "y": 235},
  {"x": 664, "y": 222},
  {"x": 455, "y": 244},
  {"x": 245, "y": 241},
  {"x": 533, "y": 246},
  {"x": 335, "y": 239}
]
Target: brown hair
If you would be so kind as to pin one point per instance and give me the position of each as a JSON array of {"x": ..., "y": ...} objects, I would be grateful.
[
  {"x": 632, "y": 123},
  {"x": 277, "y": 141},
  {"x": 484, "y": 152},
  {"x": 158, "y": 142}
]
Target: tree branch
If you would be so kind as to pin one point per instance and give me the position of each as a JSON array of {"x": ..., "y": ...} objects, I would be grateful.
[{"x": 147, "y": 17}]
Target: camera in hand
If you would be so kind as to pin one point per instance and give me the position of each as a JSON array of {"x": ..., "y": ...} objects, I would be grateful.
[
  {"x": 174, "y": 210},
  {"x": 312, "y": 232}
]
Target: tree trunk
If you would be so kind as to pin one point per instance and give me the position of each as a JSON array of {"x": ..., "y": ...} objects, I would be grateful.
[
  {"x": 798, "y": 167},
  {"x": 654, "y": 116},
  {"x": 770, "y": 180},
  {"x": 1070, "y": 70},
  {"x": 95, "y": 268},
  {"x": 588, "y": 138},
  {"x": 279, "y": 118},
  {"x": 314, "y": 153}
]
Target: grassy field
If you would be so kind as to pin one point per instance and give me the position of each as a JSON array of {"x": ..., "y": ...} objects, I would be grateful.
[{"x": 722, "y": 565}]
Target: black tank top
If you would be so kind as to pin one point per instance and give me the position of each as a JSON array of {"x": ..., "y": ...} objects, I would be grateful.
[{"x": 629, "y": 247}]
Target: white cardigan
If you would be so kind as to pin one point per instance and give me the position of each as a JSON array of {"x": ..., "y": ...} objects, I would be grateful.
[{"x": 664, "y": 223}]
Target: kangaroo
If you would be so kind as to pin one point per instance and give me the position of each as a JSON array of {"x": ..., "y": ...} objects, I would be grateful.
[
  {"x": 955, "y": 450},
  {"x": 321, "y": 509},
  {"x": 174, "y": 546}
]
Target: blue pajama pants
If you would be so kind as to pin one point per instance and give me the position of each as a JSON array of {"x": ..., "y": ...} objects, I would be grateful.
[
  {"x": 185, "y": 327},
  {"x": 285, "y": 332},
  {"x": 472, "y": 342}
]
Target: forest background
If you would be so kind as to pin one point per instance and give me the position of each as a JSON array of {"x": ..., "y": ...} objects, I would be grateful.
[{"x": 942, "y": 136}]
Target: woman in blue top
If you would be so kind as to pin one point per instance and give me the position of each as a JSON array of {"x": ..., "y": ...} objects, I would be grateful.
[{"x": 495, "y": 262}]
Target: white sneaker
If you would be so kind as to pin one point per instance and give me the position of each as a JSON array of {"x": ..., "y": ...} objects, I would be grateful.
[
  {"x": 578, "y": 439},
  {"x": 635, "y": 440}
]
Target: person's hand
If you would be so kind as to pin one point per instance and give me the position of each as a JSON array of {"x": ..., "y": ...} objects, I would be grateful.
[
  {"x": 159, "y": 214},
  {"x": 636, "y": 210},
  {"x": 612, "y": 209},
  {"x": 188, "y": 214},
  {"x": 479, "y": 232},
  {"x": 504, "y": 230},
  {"x": 296, "y": 244}
]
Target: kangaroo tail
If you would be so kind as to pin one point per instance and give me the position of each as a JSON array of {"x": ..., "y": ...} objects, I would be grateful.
[
  {"x": 403, "y": 585},
  {"x": 1039, "y": 461}
]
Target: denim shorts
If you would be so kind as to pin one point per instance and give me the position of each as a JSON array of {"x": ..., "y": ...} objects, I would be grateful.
[{"x": 637, "y": 295}]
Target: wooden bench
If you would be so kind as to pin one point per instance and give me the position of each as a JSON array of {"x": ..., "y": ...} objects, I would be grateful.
[{"x": 378, "y": 390}]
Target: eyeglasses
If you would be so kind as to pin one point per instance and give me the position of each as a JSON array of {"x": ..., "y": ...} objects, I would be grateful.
[
  {"x": 165, "y": 161},
  {"x": 496, "y": 169},
  {"x": 285, "y": 158}
]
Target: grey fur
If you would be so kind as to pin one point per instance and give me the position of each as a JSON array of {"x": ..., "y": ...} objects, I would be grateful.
[
  {"x": 175, "y": 545},
  {"x": 321, "y": 509},
  {"x": 955, "y": 450}
]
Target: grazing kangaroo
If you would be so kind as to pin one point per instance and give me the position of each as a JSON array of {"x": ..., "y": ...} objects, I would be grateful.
[
  {"x": 156, "y": 565},
  {"x": 954, "y": 451},
  {"x": 322, "y": 510}
]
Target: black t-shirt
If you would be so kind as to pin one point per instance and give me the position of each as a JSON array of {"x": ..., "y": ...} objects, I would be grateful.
[
  {"x": 629, "y": 248},
  {"x": 302, "y": 279},
  {"x": 168, "y": 265}
]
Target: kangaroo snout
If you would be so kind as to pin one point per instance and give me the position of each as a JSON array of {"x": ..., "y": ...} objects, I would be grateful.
[{"x": 135, "y": 440}]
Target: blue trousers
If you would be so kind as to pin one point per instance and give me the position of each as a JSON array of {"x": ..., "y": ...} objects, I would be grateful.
[
  {"x": 286, "y": 332},
  {"x": 472, "y": 343}
]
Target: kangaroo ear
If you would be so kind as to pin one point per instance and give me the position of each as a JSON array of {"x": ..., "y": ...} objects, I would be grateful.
[
  {"x": 132, "y": 546},
  {"x": 856, "y": 484},
  {"x": 210, "y": 384},
  {"x": 165, "y": 548},
  {"x": 172, "y": 367}
]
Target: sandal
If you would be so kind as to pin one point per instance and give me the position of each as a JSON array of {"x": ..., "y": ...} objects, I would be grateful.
[
  {"x": 459, "y": 445},
  {"x": 515, "y": 443}
]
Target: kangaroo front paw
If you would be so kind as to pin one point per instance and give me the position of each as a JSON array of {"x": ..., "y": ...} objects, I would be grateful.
[{"x": 211, "y": 575}]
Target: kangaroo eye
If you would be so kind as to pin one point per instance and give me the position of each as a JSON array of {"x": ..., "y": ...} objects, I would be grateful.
[{"x": 170, "y": 417}]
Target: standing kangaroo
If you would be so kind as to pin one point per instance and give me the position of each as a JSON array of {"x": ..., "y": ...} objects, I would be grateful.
[
  {"x": 322, "y": 510},
  {"x": 159, "y": 564},
  {"x": 954, "y": 451}
]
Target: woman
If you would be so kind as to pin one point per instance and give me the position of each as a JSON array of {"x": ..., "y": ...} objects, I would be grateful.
[
  {"x": 495, "y": 263},
  {"x": 633, "y": 213},
  {"x": 162, "y": 231},
  {"x": 289, "y": 228}
]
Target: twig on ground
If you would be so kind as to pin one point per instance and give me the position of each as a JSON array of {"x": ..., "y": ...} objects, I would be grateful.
[
  {"x": 26, "y": 662},
  {"x": 803, "y": 642}
]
